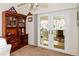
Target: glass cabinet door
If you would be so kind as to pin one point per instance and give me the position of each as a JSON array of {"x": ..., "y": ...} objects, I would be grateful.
[
  {"x": 58, "y": 31},
  {"x": 9, "y": 21},
  {"x": 14, "y": 24},
  {"x": 44, "y": 30},
  {"x": 21, "y": 22}
]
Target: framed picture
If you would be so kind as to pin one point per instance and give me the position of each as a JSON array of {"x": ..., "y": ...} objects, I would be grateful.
[{"x": 30, "y": 19}]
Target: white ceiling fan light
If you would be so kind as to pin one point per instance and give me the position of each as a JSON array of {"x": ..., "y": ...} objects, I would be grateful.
[
  {"x": 31, "y": 6},
  {"x": 35, "y": 5}
]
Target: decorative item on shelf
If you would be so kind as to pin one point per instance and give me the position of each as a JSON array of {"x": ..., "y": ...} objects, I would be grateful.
[
  {"x": 22, "y": 31},
  {"x": 9, "y": 21},
  {"x": 23, "y": 21},
  {"x": 9, "y": 34},
  {"x": 14, "y": 22},
  {"x": 21, "y": 24}
]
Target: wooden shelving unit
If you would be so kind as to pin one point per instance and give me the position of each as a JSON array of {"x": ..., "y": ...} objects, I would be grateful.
[{"x": 14, "y": 28}]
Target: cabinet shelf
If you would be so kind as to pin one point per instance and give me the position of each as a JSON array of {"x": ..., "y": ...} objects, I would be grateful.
[{"x": 11, "y": 27}]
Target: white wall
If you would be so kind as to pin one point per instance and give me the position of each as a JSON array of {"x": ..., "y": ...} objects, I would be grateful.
[
  {"x": 71, "y": 33},
  {"x": 36, "y": 29},
  {"x": 30, "y": 31},
  {"x": 78, "y": 24}
]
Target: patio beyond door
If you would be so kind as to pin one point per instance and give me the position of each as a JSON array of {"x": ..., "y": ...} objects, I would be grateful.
[{"x": 51, "y": 30}]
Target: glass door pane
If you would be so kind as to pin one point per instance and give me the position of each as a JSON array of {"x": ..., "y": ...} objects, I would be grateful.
[
  {"x": 44, "y": 30},
  {"x": 58, "y": 31}
]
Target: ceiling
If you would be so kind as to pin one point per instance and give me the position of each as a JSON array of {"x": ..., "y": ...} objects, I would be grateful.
[{"x": 43, "y": 7}]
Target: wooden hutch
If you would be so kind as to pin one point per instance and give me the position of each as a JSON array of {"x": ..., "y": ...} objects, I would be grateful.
[{"x": 14, "y": 28}]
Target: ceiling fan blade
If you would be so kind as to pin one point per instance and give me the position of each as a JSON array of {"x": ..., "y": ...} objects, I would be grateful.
[{"x": 21, "y": 4}]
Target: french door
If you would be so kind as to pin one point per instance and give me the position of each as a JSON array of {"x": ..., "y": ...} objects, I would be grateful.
[
  {"x": 43, "y": 31},
  {"x": 51, "y": 30}
]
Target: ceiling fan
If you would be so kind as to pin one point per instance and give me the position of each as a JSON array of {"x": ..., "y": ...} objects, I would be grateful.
[
  {"x": 30, "y": 6},
  {"x": 33, "y": 6}
]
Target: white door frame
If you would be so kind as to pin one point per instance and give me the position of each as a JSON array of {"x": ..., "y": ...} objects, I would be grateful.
[
  {"x": 39, "y": 30},
  {"x": 50, "y": 15}
]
